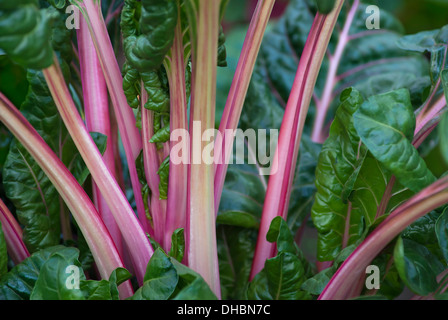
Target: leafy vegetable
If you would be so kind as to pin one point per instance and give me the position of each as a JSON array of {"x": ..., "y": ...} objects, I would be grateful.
[
  {"x": 389, "y": 135},
  {"x": 353, "y": 179}
]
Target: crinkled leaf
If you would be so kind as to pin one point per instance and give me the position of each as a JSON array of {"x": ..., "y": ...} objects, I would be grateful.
[
  {"x": 25, "y": 33},
  {"x": 163, "y": 173},
  {"x": 222, "y": 53},
  {"x": 139, "y": 164},
  {"x": 131, "y": 85},
  {"x": 417, "y": 266},
  {"x": 158, "y": 94},
  {"x": 146, "y": 47},
  {"x": 386, "y": 125},
  {"x": 338, "y": 168},
  {"x": 162, "y": 135}
]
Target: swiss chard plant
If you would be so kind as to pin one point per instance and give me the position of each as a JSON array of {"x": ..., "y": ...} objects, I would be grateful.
[{"x": 121, "y": 170}]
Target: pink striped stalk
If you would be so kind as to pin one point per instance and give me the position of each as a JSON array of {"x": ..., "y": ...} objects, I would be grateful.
[
  {"x": 152, "y": 163},
  {"x": 92, "y": 227},
  {"x": 323, "y": 106},
  {"x": 131, "y": 230},
  {"x": 13, "y": 235},
  {"x": 202, "y": 249},
  {"x": 285, "y": 158},
  {"x": 430, "y": 198},
  {"x": 96, "y": 108},
  {"x": 238, "y": 90},
  {"x": 129, "y": 133},
  {"x": 178, "y": 171}
]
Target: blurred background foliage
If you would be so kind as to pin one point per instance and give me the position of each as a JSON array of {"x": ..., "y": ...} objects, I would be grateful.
[{"x": 416, "y": 15}]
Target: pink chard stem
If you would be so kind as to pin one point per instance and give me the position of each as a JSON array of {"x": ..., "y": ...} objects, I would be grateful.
[
  {"x": 238, "y": 90},
  {"x": 152, "y": 163},
  {"x": 202, "y": 249},
  {"x": 178, "y": 170},
  {"x": 285, "y": 158},
  {"x": 96, "y": 108},
  {"x": 131, "y": 230},
  {"x": 129, "y": 133},
  {"x": 92, "y": 227},
  {"x": 13, "y": 235},
  {"x": 323, "y": 106}
]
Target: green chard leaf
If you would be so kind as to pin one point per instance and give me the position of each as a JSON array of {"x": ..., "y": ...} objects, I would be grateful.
[
  {"x": 146, "y": 46},
  {"x": 163, "y": 173},
  {"x": 105, "y": 289},
  {"x": 160, "y": 279},
  {"x": 154, "y": 83},
  {"x": 191, "y": 285},
  {"x": 317, "y": 283},
  {"x": 177, "y": 250},
  {"x": 26, "y": 31},
  {"x": 417, "y": 266},
  {"x": 283, "y": 275},
  {"x": 20, "y": 281},
  {"x": 349, "y": 182},
  {"x": 166, "y": 278},
  {"x": 386, "y": 124},
  {"x": 59, "y": 277}
]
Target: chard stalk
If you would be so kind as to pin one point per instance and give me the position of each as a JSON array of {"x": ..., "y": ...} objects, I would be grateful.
[
  {"x": 92, "y": 227},
  {"x": 131, "y": 230},
  {"x": 129, "y": 133},
  {"x": 355, "y": 265},
  {"x": 151, "y": 166},
  {"x": 238, "y": 91},
  {"x": 202, "y": 250},
  {"x": 285, "y": 158},
  {"x": 178, "y": 172},
  {"x": 96, "y": 108},
  {"x": 323, "y": 106},
  {"x": 13, "y": 235}
]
